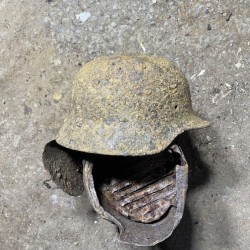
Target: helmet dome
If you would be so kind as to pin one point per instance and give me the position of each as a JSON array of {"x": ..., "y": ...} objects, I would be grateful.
[{"x": 128, "y": 105}]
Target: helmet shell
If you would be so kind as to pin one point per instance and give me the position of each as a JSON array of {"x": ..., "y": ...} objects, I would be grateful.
[{"x": 128, "y": 105}]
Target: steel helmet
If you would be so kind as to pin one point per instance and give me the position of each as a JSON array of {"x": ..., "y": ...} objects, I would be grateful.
[{"x": 128, "y": 105}]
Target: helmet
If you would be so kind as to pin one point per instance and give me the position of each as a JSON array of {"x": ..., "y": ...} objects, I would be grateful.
[{"x": 128, "y": 105}]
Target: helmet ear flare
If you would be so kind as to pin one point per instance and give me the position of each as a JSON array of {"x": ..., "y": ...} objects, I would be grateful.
[{"x": 195, "y": 122}]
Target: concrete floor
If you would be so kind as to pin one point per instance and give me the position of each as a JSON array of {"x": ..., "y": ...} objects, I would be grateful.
[{"x": 42, "y": 46}]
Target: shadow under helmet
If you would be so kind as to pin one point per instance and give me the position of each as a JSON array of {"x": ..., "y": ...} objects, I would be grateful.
[{"x": 128, "y": 105}]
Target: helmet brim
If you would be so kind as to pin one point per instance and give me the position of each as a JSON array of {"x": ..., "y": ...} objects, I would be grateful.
[
  {"x": 195, "y": 122},
  {"x": 122, "y": 139}
]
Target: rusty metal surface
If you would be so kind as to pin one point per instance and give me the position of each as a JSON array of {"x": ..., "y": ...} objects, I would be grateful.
[
  {"x": 140, "y": 228},
  {"x": 128, "y": 105},
  {"x": 143, "y": 194}
]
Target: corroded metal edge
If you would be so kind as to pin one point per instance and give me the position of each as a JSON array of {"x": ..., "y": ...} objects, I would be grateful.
[
  {"x": 90, "y": 190},
  {"x": 139, "y": 233}
]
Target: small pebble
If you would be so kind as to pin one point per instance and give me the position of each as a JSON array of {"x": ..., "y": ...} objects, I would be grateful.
[
  {"x": 58, "y": 175},
  {"x": 209, "y": 27},
  {"x": 57, "y": 96},
  {"x": 201, "y": 73},
  {"x": 83, "y": 17},
  {"x": 209, "y": 138},
  {"x": 57, "y": 62},
  {"x": 238, "y": 65}
]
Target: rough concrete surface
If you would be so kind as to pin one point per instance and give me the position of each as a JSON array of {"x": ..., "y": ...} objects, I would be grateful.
[{"x": 42, "y": 46}]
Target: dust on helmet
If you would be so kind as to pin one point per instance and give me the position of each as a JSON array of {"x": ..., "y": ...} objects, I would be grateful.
[{"x": 128, "y": 105}]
